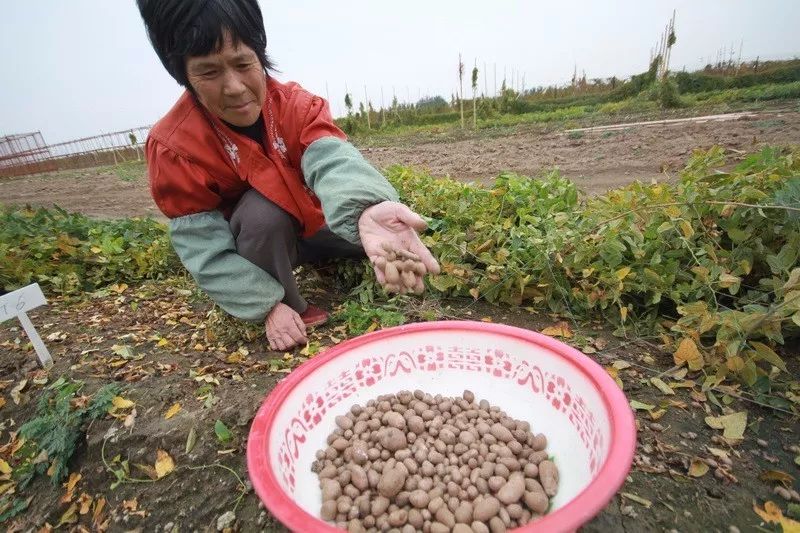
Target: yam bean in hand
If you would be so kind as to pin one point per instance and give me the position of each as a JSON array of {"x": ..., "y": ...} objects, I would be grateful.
[
  {"x": 409, "y": 279},
  {"x": 391, "y": 273},
  {"x": 405, "y": 265},
  {"x": 403, "y": 270}
]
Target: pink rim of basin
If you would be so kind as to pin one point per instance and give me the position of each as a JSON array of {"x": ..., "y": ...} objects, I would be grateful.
[{"x": 570, "y": 517}]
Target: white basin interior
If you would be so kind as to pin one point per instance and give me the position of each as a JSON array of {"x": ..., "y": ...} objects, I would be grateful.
[{"x": 528, "y": 381}]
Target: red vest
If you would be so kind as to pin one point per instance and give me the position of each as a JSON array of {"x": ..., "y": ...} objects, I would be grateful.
[{"x": 196, "y": 163}]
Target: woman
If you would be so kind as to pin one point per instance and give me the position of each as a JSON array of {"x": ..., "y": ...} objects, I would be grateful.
[{"x": 254, "y": 175}]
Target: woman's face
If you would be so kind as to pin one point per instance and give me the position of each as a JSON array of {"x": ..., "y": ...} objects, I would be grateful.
[{"x": 230, "y": 82}]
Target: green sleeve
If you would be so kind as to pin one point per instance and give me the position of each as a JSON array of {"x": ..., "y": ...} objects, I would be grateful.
[
  {"x": 345, "y": 183},
  {"x": 206, "y": 247}
]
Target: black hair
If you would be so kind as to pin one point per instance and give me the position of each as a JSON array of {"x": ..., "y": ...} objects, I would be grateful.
[{"x": 184, "y": 28}]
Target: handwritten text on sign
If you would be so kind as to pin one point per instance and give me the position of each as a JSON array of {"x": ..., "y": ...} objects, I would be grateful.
[
  {"x": 16, "y": 305},
  {"x": 22, "y": 300}
]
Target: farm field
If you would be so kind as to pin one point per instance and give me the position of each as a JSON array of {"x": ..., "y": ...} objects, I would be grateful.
[
  {"x": 226, "y": 380},
  {"x": 596, "y": 161},
  {"x": 182, "y": 369}
]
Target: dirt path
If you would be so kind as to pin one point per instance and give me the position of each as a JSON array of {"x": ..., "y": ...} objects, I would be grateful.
[{"x": 595, "y": 160}]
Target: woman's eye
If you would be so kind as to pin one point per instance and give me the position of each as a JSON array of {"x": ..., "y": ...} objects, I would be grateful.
[{"x": 209, "y": 74}]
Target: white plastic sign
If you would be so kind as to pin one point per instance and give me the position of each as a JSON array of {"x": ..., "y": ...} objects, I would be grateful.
[{"x": 16, "y": 304}]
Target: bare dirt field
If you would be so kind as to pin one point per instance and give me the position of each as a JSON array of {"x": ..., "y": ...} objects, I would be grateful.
[{"x": 595, "y": 160}]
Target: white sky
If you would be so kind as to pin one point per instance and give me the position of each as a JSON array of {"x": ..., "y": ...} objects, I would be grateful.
[{"x": 75, "y": 68}]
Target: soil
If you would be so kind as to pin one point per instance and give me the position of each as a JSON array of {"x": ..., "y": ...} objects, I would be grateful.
[
  {"x": 82, "y": 335},
  {"x": 595, "y": 160},
  {"x": 211, "y": 480}
]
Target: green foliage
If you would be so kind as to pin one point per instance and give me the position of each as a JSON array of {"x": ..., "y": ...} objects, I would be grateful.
[
  {"x": 696, "y": 82},
  {"x": 666, "y": 94},
  {"x": 53, "y": 434},
  {"x": 641, "y": 93},
  {"x": 130, "y": 170},
  {"x": 691, "y": 260},
  {"x": 222, "y": 432},
  {"x": 12, "y": 508},
  {"x": 749, "y": 94},
  {"x": 69, "y": 253},
  {"x": 435, "y": 104},
  {"x": 508, "y": 101},
  {"x": 360, "y": 317}
]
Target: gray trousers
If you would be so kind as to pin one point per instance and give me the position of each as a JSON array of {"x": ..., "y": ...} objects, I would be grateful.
[{"x": 269, "y": 237}]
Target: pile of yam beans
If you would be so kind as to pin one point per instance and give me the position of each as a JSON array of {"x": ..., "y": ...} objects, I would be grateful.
[{"x": 411, "y": 462}]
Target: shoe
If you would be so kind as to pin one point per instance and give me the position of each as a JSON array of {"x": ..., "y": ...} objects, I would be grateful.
[{"x": 314, "y": 316}]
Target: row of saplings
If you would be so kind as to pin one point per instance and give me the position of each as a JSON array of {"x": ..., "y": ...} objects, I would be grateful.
[{"x": 415, "y": 462}]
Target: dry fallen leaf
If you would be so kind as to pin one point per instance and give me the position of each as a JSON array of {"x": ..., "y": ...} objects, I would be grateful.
[
  {"x": 85, "y": 502},
  {"x": 121, "y": 403},
  {"x": 698, "y": 468},
  {"x": 164, "y": 464},
  {"x": 638, "y": 499},
  {"x": 5, "y": 487},
  {"x": 16, "y": 392},
  {"x": 614, "y": 373},
  {"x": 130, "y": 505},
  {"x": 148, "y": 470},
  {"x": 733, "y": 425},
  {"x": 70, "y": 516},
  {"x": 119, "y": 288},
  {"x": 771, "y": 513},
  {"x": 191, "y": 440},
  {"x": 70, "y": 486},
  {"x": 172, "y": 411},
  {"x": 688, "y": 353},
  {"x": 97, "y": 514},
  {"x": 5, "y": 468},
  {"x": 663, "y": 387},
  {"x": 639, "y": 406},
  {"x": 776, "y": 475},
  {"x": 559, "y": 329},
  {"x": 718, "y": 452},
  {"x": 698, "y": 396}
]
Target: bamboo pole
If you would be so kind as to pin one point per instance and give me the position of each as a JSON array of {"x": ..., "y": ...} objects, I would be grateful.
[{"x": 366, "y": 107}]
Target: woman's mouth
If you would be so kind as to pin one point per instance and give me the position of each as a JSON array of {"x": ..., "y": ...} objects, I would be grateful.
[{"x": 239, "y": 107}]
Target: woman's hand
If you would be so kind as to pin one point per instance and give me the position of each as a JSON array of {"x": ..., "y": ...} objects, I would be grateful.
[
  {"x": 285, "y": 329},
  {"x": 392, "y": 225}
]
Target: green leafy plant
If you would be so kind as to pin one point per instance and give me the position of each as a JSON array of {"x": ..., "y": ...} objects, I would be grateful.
[
  {"x": 68, "y": 252},
  {"x": 711, "y": 260},
  {"x": 222, "y": 432},
  {"x": 53, "y": 434},
  {"x": 361, "y": 318}
]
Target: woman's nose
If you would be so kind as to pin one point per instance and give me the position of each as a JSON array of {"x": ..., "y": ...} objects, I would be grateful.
[{"x": 232, "y": 84}]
